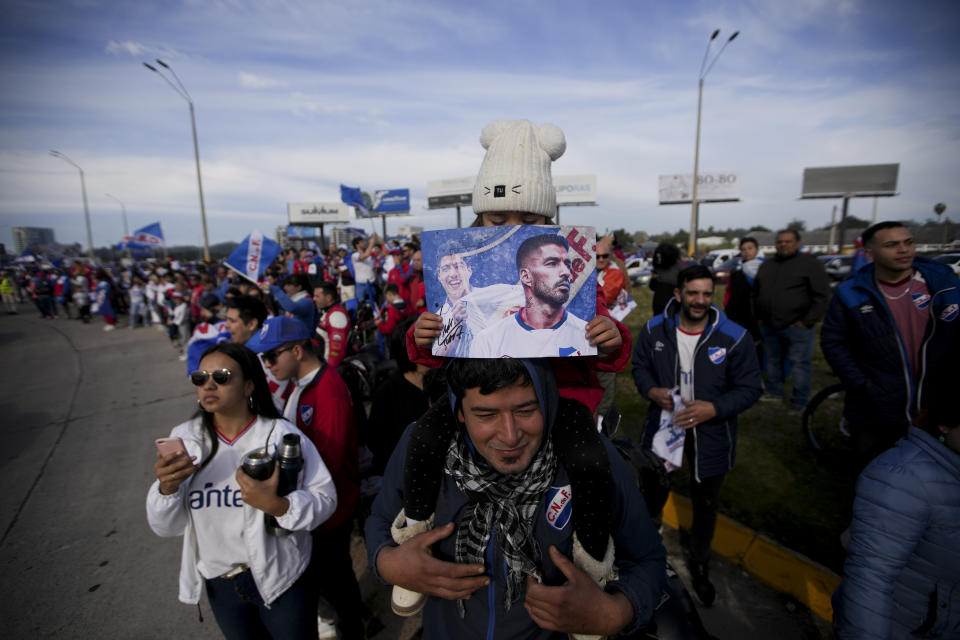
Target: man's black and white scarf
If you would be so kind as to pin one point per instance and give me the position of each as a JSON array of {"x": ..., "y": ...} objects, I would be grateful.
[{"x": 502, "y": 502}]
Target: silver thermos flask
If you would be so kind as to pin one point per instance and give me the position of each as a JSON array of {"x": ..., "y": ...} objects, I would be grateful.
[{"x": 290, "y": 459}]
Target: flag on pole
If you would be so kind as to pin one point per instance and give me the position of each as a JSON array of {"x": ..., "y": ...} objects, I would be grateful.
[
  {"x": 353, "y": 197},
  {"x": 149, "y": 236},
  {"x": 252, "y": 257}
]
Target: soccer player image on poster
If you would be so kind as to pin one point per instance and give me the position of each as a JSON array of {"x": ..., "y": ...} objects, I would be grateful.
[{"x": 518, "y": 292}]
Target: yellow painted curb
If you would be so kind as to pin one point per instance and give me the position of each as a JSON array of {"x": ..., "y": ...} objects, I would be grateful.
[{"x": 779, "y": 567}]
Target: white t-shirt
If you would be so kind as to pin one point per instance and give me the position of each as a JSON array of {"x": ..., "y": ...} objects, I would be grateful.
[
  {"x": 217, "y": 507},
  {"x": 686, "y": 345},
  {"x": 512, "y": 338},
  {"x": 362, "y": 269},
  {"x": 290, "y": 410}
]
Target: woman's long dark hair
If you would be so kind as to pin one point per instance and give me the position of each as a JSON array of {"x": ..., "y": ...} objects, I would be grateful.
[{"x": 261, "y": 402}]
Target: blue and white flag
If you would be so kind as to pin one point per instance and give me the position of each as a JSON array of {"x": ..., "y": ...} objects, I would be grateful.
[
  {"x": 149, "y": 236},
  {"x": 252, "y": 257},
  {"x": 353, "y": 197}
]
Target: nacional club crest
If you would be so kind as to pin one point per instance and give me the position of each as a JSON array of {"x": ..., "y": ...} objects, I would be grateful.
[
  {"x": 921, "y": 300},
  {"x": 559, "y": 506},
  {"x": 717, "y": 354},
  {"x": 306, "y": 414},
  {"x": 949, "y": 313}
]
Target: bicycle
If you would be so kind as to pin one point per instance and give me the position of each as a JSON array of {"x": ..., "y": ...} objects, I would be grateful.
[{"x": 823, "y": 424}]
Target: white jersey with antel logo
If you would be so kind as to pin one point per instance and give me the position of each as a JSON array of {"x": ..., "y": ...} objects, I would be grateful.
[
  {"x": 216, "y": 506},
  {"x": 513, "y": 338}
]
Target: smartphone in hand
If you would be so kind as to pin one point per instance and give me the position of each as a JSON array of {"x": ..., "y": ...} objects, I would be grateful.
[{"x": 166, "y": 446}]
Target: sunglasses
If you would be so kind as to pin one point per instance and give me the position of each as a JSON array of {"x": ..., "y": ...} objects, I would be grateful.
[
  {"x": 603, "y": 255},
  {"x": 220, "y": 376},
  {"x": 271, "y": 357}
]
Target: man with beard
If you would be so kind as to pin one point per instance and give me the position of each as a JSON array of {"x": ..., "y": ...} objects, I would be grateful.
[
  {"x": 694, "y": 353},
  {"x": 543, "y": 327}
]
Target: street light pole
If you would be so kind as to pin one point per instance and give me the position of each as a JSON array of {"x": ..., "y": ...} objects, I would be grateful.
[
  {"x": 179, "y": 88},
  {"x": 86, "y": 208},
  {"x": 123, "y": 215},
  {"x": 695, "y": 204}
]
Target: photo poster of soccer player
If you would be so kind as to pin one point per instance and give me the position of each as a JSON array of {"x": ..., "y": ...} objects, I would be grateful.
[{"x": 517, "y": 291}]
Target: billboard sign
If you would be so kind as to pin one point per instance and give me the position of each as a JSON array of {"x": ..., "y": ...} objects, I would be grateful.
[
  {"x": 867, "y": 180},
  {"x": 395, "y": 201},
  {"x": 716, "y": 186},
  {"x": 576, "y": 190},
  {"x": 318, "y": 212},
  {"x": 443, "y": 194}
]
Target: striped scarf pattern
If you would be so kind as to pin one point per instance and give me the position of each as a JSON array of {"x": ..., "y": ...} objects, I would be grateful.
[{"x": 502, "y": 502}]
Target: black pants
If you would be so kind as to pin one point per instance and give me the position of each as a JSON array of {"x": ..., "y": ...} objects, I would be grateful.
[
  {"x": 331, "y": 569},
  {"x": 704, "y": 495},
  {"x": 870, "y": 440}
]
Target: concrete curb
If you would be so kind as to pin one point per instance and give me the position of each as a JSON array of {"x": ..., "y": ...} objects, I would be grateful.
[{"x": 779, "y": 567}]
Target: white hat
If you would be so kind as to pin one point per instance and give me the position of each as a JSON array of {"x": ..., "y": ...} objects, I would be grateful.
[{"x": 515, "y": 174}]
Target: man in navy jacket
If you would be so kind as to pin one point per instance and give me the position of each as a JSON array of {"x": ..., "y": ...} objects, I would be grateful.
[
  {"x": 888, "y": 334},
  {"x": 497, "y": 565},
  {"x": 694, "y": 347}
]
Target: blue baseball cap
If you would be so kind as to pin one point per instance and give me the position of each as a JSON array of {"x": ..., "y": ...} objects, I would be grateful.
[{"x": 277, "y": 332}]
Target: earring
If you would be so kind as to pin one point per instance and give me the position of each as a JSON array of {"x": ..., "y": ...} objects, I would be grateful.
[
  {"x": 942, "y": 438},
  {"x": 250, "y": 402}
]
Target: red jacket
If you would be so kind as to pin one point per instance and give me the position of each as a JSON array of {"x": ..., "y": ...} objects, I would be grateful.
[
  {"x": 401, "y": 276},
  {"x": 325, "y": 415},
  {"x": 333, "y": 326},
  {"x": 576, "y": 378},
  {"x": 611, "y": 281},
  {"x": 391, "y": 315}
]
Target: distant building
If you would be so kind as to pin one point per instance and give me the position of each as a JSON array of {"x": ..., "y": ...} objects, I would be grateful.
[
  {"x": 409, "y": 230},
  {"x": 27, "y": 237},
  {"x": 344, "y": 236}
]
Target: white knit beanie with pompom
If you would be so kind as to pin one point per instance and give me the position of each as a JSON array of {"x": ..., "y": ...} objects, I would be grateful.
[{"x": 515, "y": 174}]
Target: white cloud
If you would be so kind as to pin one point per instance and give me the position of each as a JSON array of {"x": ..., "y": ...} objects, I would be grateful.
[{"x": 254, "y": 81}]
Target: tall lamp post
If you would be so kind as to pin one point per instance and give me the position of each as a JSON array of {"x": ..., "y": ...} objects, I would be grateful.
[
  {"x": 695, "y": 205},
  {"x": 180, "y": 89},
  {"x": 123, "y": 215},
  {"x": 86, "y": 208}
]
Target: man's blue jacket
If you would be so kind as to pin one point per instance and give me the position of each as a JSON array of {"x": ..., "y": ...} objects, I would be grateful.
[
  {"x": 639, "y": 553},
  {"x": 725, "y": 372},
  {"x": 865, "y": 349},
  {"x": 901, "y": 578}
]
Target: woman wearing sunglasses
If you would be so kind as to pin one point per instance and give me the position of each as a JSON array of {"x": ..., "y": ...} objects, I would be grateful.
[{"x": 255, "y": 581}]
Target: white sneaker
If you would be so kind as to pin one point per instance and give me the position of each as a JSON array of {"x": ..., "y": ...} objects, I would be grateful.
[
  {"x": 326, "y": 629},
  {"x": 108, "y": 327}
]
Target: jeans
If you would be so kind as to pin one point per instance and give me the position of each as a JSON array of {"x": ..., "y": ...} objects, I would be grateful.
[
  {"x": 241, "y": 614},
  {"x": 366, "y": 291},
  {"x": 794, "y": 344},
  {"x": 138, "y": 313}
]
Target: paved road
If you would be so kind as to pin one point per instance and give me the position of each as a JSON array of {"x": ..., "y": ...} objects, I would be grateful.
[{"x": 79, "y": 411}]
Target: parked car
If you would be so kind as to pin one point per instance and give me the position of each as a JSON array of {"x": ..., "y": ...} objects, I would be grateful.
[
  {"x": 638, "y": 271},
  {"x": 722, "y": 273},
  {"x": 952, "y": 260},
  {"x": 837, "y": 266}
]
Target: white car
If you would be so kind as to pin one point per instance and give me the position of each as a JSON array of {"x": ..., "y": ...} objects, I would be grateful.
[
  {"x": 952, "y": 260},
  {"x": 638, "y": 271}
]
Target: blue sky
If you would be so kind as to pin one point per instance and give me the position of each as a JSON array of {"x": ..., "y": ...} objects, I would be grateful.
[{"x": 293, "y": 98}]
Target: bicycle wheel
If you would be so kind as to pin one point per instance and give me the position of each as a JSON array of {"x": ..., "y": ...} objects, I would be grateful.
[{"x": 822, "y": 421}]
